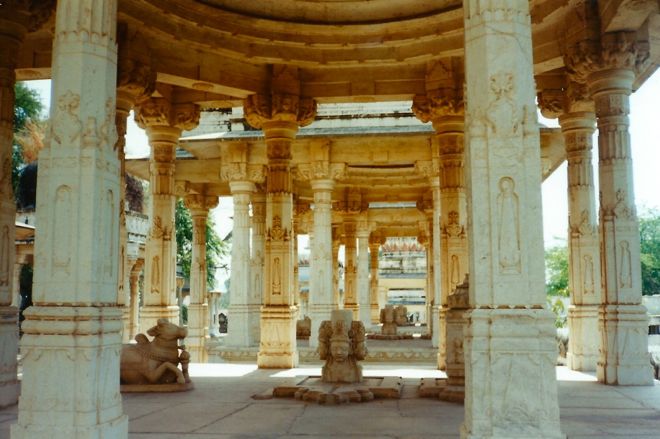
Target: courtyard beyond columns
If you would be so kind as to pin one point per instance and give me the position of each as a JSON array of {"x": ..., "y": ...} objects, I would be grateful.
[{"x": 221, "y": 407}]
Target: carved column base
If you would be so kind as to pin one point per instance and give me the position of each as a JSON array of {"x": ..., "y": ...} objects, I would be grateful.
[
  {"x": 149, "y": 315},
  {"x": 9, "y": 343},
  {"x": 196, "y": 339},
  {"x": 510, "y": 357},
  {"x": 277, "y": 349},
  {"x": 127, "y": 335},
  {"x": 375, "y": 314},
  {"x": 76, "y": 345},
  {"x": 624, "y": 358},
  {"x": 583, "y": 337},
  {"x": 318, "y": 313},
  {"x": 442, "y": 337},
  {"x": 355, "y": 308},
  {"x": 455, "y": 366},
  {"x": 241, "y": 325}
]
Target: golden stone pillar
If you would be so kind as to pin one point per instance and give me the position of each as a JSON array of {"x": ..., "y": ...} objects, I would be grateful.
[
  {"x": 13, "y": 27},
  {"x": 336, "y": 244},
  {"x": 350, "y": 269},
  {"x": 256, "y": 291},
  {"x": 279, "y": 115},
  {"x": 443, "y": 107},
  {"x": 375, "y": 241},
  {"x": 136, "y": 81},
  {"x": 610, "y": 67},
  {"x": 163, "y": 123},
  {"x": 199, "y": 206}
]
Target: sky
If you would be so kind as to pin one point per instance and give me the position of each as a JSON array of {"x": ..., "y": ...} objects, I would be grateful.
[{"x": 645, "y": 141}]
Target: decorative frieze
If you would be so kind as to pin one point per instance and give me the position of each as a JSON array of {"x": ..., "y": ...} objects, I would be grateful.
[{"x": 263, "y": 109}]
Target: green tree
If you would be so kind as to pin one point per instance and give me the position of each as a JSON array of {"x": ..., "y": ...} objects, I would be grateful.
[
  {"x": 556, "y": 271},
  {"x": 27, "y": 106},
  {"x": 649, "y": 233},
  {"x": 215, "y": 247}
]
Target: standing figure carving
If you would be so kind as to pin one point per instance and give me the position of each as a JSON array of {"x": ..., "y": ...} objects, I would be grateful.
[{"x": 508, "y": 227}]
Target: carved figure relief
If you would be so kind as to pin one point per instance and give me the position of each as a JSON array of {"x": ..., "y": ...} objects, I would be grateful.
[
  {"x": 155, "y": 275},
  {"x": 508, "y": 227},
  {"x": 454, "y": 270},
  {"x": 62, "y": 227},
  {"x": 453, "y": 229},
  {"x": 585, "y": 228},
  {"x": 110, "y": 217},
  {"x": 109, "y": 133},
  {"x": 621, "y": 209},
  {"x": 342, "y": 346},
  {"x": 277, "y": 276},
  {"x": 588, "y": 274},
  {"x": 625, "y": 269},
  {"x": 66, "y": 125},
  {"x": 277, "y": 232},
  {"x": 5, "y": 246},
  {"x": 159, "y": 231},
  {"x": 502, "y": 116}
]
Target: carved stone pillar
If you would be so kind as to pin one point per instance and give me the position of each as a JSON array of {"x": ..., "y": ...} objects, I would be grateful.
[
  {"x": 72, "y": 335},
  {"x": 444, "y": 108},
  {"x": 256, "y": 292},
  {"x": 375, "y": 241},
  {"x": 13, "y": 27},
  {"x": 336, "y": 244},
  {"x": 506, "y": 291},
  {"x": 240, "y": 308},
  {"x": 610, "y": 68},
  {"x": 135, "y": 82},
  {"x": 163, "y": 123},
  {"x": 199, "y": 206},
  {"x": 577, "y": 124},
  {"x": 363, "y": 273},
  {"x": 321, "y": 289},
  {"x": 279, "y": 116},
  {"x": 134, "y": 301},
  {"x": 350, "y": 269}
]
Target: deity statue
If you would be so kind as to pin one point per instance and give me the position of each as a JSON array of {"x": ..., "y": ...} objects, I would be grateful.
[
  {"x": 387, "y": 318},
  {"x": 341, "y": 345}
]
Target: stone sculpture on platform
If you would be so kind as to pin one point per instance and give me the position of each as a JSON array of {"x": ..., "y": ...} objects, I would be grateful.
[
  {"x": 342, "y": 344},
  {"x": 387, "y": 318},
  {"x": 151, "y": 366},
  {"x": 304, "y": 328},
  {"x": 401, "y": 315}
]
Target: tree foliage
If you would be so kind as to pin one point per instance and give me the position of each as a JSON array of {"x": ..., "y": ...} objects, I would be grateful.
[
  {"x": 556, "y": 271},
  {"x": 215, "y": 247},
  {"x": 649, "y": 232},
  {"x": 27, "y": 107}
]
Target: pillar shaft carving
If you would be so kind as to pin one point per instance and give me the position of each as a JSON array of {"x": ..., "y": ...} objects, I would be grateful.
[
  {"x": 505, "y": 231},
  {"x": 375, "y": 241},
  {"x": 256, "y": 292},
  {"x": 321, "y": 282},
  {"x": 134, "y": 294},
  {"x": 583, "y": 246},
  {"x": 279, "y": 115},
  {"x": 610, "y": 79},
  {"x": 163, "y": 123},
  {"x": 363, "y": 273},
  {"x": 78, "y": 193},
  {"x": 350, "y": 269},
  {"x": 336, "y": 244}
]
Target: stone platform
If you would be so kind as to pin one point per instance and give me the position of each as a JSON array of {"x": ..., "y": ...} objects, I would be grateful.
[{"x": 314, "y": 390}]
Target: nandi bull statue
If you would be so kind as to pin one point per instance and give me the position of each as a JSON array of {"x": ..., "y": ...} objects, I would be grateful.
[
  {"x": 341, "y": 345},
  {"x": 151, "y": 366}
]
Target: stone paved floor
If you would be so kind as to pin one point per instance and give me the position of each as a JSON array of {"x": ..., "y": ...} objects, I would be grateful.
[{"x": 221, "y": 407}]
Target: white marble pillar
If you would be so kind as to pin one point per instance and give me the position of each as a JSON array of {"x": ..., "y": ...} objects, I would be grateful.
[
  {"x": 238, "y": 331},
  {"x": 350, "y": 269},
  {"x": 336, "y": 244},
  {"x": 279, "y": 115},
  {"x": 13, "y": 27},
  {"x": 74, "y": 327},
  {"x": 583, "y": 246},
  {"x": 509, "y": 347},
  {"x": 163, "y": 123},
  {"x": 256, "y": 293},
  {"x": 321, "y": 270},
  {"x": 623, "y": 321},
  {"x": 199, "y": 206},
  {"x": 363, "y": 274}
]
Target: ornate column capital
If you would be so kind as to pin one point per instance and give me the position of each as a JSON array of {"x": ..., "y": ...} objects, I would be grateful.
[
  {"x": 158, "y": 112},
  {"x": 241, "y": 171},
  {"x": 262, "y": 109},
  {"x": 437, "y": 104},
  {"x": 136, "y": 80},
  {"x": 200, "y": 204}
]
